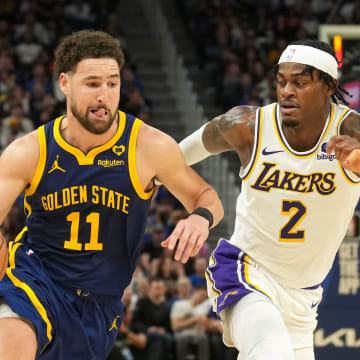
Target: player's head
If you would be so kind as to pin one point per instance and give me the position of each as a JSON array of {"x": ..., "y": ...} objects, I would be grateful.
[
  {"x": 88, "y": 64},
  {"x": 306, "y": 80}
]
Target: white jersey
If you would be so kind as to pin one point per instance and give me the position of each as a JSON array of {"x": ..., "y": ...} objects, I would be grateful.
[{"x": 294, "y": 207}]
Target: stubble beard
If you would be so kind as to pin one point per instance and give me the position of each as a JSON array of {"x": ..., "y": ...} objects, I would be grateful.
[
  {"x": 290, "y": 123},
  {"x": 97, "y": 128}
]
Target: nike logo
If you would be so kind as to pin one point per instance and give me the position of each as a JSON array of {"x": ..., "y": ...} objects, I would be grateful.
[
  {"x": 265, "y": 152},
  {"x": 315, "y": 304}
]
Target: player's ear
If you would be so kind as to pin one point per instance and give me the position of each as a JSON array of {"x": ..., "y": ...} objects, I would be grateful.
[
  {"x": 331, "y": 87},
  {"x": 64, "y": 83}
]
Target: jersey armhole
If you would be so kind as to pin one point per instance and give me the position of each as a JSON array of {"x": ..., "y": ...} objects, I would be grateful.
[
  {"x": 132, "y": 162},
  {"x": 247, "y": 170},
  {"x": 41, "y": 162},
  {"x": 349, "y": 176}
]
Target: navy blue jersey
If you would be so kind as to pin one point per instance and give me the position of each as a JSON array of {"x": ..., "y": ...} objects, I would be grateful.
[{"x": 87, "y": 213}]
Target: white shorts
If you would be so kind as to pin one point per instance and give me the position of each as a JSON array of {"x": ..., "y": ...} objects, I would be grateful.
[{"x": 232, "y": 274}]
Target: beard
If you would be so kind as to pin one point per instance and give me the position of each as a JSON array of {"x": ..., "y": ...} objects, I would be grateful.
[
  {"x": 95, "y": 127},
  {"x": 290, "y": 123}
]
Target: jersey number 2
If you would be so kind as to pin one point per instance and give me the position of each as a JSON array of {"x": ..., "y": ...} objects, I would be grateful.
[
  {"x": 288, "y": 233},
  {"x": 74, "y": 244}
]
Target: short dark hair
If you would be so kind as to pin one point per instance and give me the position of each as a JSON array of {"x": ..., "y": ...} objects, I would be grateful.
[
  {"x": 86, "y": 44},
  {"x": 321, "y": 45}
]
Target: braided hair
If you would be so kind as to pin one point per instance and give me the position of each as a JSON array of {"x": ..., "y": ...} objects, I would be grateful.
[{"x": 321, "y": 45}]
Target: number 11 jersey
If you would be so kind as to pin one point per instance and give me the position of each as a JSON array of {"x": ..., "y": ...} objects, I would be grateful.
[{"x": 87, "y": 212}]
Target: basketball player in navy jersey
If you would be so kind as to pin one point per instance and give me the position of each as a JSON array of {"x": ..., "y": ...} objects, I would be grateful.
[
  {"x": 300, "y": 160},
  {"x": 88, "y": 178}
]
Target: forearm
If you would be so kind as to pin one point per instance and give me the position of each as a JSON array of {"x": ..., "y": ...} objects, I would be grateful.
[
  {"x": 178, "y": 324},
  {"x": 138, "y": 340},
  {"x": 193, "y": 147},
  {"x": 209, "y": 199}
]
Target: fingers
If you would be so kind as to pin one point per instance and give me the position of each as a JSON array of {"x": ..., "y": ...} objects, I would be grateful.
[
  {"x": 342, "y": 146},
  {"x": 171, "y": 241},
  {"x": 189, "y": 235},
  {"x": 352, "y": 162},
  {"x": 186, "y": 246},
  {"x": 332, "y": 143}
]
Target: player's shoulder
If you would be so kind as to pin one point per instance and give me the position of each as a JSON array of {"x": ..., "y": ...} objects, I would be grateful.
[
  {"x": 351, "y": 123},
  {"x": 237, "y": 117},
  {"x": 21, "y": 156},
  {"x": 23, "y": 152},
  {"x": 24, "y": 146},
  {"x": 157, "y": 140}
]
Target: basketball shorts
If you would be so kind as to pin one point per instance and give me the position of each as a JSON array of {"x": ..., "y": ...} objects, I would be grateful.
[
  {"x": 232, "y": 274},
  {"x": 70, "y": 324}
]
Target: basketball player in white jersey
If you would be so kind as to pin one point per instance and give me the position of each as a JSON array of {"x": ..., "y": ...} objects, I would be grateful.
[{"x": 298, "y": 196}]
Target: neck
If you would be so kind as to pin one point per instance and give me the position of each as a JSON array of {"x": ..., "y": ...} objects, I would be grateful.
[
  {"x": 306, "y": 135},
  {"x": 155, "y": 299},
  {"x": 75, "y": 134}
]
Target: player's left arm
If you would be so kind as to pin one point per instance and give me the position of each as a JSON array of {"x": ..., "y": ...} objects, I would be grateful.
[
  {"x": 167, "y": 164},
  {"x": 346, "y": 146}
]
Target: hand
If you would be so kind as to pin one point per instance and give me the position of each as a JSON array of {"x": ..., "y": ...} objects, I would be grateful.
[
  {"x": 123, "y": 328},
  {"x": 189, "y": 235},
  {"x": 156, "y": 329},
  {"x": 347, "y": 151}
]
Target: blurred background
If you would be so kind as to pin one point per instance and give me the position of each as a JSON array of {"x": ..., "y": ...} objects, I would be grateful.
[{"x": 186, "y": 62}]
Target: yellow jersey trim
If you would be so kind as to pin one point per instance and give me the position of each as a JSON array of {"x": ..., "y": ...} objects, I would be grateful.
[
  {"x": 29, "y": 292},
  {"x": 88, "y": 159},
  {"x": 27, "y": 207},
  {"x": 246, "y": 274},
  {"x": 277, "y": 126},
  {"x": 132, "y": 162},
  {"x": 340, "y": 120},
  {"x": 257, "y": 145},
  {"x": 346, "y": 176},
  {"x": 41, "y": 162}
]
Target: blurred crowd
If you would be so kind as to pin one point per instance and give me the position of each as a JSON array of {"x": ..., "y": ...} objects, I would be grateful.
[
  {"x": 29, "y": 33},
  {"x": 29, "y": 92},
  {"x": 239, "y": 42},
  {"x": 167, "y": 312},
  {"x": 153, "y": 327}
]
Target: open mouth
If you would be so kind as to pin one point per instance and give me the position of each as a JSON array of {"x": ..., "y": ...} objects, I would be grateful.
[{"x": 99, "y": 112}]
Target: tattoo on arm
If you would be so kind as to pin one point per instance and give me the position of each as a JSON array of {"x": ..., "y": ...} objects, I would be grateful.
[
  {"x": 238, "y": 115},
  {"x": 213, "y": 136},
  {"x": 351, "y": 126}
]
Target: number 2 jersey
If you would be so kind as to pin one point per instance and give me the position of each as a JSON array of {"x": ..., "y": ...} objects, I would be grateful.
[
  {"x": 294, "y": 207},
  {"x": 87, "y": 213}
]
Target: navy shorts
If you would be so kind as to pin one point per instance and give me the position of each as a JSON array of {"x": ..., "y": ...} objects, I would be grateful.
[{"x": 71, "y": 324}]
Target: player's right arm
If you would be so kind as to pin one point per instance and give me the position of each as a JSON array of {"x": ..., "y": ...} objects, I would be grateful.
[
  {"x": 17, "y": 167},
  {"x": 233, "y": 130}
]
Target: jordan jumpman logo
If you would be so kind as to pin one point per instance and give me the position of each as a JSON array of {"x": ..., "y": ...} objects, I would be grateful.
[
  {"x": 114, "y": 326},
  {"x": 56, "y": 166}
]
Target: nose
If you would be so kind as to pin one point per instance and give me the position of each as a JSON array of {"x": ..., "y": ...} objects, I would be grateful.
[
  {"x": 288, "y": 90},
  {"x": 102, "y": 94}
]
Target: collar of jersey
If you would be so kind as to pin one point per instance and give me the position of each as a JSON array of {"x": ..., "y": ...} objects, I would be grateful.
[
  {"x": 283, "y": 141},
  {"x": 88, "y": 159}
]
